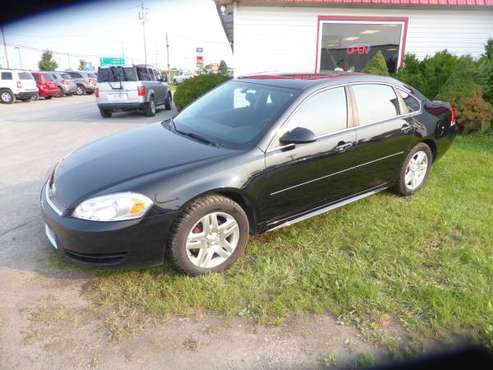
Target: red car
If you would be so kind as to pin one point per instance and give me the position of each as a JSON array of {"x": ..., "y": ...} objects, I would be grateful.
[{"x": 46, "y": 85}]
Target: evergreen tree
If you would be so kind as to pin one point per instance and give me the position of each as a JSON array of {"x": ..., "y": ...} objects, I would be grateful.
[{"x": 47, "y": 63}]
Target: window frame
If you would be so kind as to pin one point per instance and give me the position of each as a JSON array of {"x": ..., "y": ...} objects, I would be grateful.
[
  {"x": 323, "y": 19},
  {"x": 272, "y": 146},
  {"x": 352, "y": 112}
]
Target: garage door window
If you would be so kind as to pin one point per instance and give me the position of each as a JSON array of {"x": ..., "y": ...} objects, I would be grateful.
[{"x": 349, "y": 46}]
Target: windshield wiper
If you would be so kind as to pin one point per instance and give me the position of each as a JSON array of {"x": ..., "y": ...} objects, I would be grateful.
[{"x": 171, "y": 124}]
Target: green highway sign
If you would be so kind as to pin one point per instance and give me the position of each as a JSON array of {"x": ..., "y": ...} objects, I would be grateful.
[{"x": 111, "y": 61}]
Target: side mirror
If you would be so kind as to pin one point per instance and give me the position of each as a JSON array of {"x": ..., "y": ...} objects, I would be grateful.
[{"x": 299, "y": 135}]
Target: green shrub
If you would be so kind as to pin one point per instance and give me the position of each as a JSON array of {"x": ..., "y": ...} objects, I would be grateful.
[
  {"x": 193, "y": 88},
  {"x": 466, "y": 95},
  {"x": 377, "y": 65},
  {"x": 412, "y": 72},
  {"x": 485, "y": 71}
]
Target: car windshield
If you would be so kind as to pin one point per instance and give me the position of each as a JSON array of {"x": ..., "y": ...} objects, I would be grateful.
[
  {"x": 116, "y": 74},
  {"x": 236, "y": 114}
]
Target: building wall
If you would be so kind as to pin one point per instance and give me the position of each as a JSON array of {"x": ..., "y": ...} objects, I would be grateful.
[{"x": 283, "y": 39}]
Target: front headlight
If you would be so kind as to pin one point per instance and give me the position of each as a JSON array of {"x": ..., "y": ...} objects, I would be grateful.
[{"x": 113, "y": 207}]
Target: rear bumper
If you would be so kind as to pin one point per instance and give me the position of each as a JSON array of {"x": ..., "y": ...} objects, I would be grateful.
[
  {"x": 131, "y": 243},
  {"x": 26, "y": 95},
  {"x": 121, "y": 106},
  {"x": 48, "y": 92}
]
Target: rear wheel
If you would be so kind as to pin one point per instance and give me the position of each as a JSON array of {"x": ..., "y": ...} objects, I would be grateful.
[
  {"x": 150, "y": 109},
  {"x": 81, "y": 90},
  {"x": 209, "y": 236},
  {"x": 48, "y": 97},
  {"x": 7, "y": 97},
  {"x": 105, "y": 113},
  {"x": 415, "y": 170}
]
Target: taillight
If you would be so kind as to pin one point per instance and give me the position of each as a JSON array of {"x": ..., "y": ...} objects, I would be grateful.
[
  {"x": 19, "y": 84},
  {"x": 453, "y": 116},
  {"x": 66, "y": 82},
  {"x": 96, "y": 92},
  {"x": 141, "y": 91}
]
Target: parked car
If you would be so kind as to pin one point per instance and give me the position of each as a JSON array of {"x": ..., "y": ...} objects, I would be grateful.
[
  {"x": 85, "y": 82},
  {"x": 135, "y": 87},
  {"x": 46, "y": 85},
  {"x": 253, "y": 155},
  {"x": 66, "y": 86},
  {"x": 179, "y": 78},
  {"x": 16, "y": 84}
]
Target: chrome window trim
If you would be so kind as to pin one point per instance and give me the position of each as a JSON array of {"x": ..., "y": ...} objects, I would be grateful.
[
  {"x": 401, "y": 116},
  {"x": 334, "y": 173},
  {"x": 50, "y": 203}
]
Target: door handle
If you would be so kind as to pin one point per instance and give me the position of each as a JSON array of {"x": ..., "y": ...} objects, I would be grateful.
[{"x": 343, "y": 146}]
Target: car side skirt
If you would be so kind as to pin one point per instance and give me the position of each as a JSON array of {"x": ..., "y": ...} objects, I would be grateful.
[{"x": 325, "y": 209}]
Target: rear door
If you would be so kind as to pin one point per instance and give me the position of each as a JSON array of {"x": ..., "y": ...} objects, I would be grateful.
[
  {"x": 118, "y": 85},
  {"x": 384, "y": 134},
  {"x": 301, "y": 177}
]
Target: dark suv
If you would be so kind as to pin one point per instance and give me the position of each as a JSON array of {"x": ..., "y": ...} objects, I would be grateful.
[{"x": 253, "y": 155}]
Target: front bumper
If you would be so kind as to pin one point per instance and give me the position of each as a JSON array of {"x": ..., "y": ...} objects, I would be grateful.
[{"x": 135, "y": 242}]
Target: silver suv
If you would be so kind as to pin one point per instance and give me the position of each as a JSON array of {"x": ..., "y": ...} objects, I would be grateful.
[{"x": 135, "y": 87}]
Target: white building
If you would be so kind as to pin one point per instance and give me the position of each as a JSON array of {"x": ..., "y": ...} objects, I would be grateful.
[{"x": 319, "y": 35}]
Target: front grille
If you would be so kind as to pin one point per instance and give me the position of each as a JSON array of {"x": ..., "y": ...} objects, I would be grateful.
[{"x": 96, "y": 258}]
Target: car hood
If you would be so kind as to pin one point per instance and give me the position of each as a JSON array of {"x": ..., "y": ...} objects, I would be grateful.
[{"x": 126, "y": 156}]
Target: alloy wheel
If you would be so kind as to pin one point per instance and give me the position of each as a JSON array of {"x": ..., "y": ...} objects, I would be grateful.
[
  {"x": 416, "y": 170},
  {"x": 6, "y": 97},
  {"x": 212, "y": 240}
]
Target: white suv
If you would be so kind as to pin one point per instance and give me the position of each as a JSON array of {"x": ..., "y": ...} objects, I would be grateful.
[{"x": 17, "y": 84}]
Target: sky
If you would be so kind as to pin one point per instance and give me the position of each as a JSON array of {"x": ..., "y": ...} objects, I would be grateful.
[{"x": 112, "y": 28}]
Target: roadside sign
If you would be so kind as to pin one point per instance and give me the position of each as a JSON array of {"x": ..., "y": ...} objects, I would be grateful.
[
  {"x": 199, "y": 50},
  {"x": 111, "y": 61}
]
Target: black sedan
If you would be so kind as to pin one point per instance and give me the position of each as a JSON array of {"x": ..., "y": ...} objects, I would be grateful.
[{"x": 253, "y": 155}]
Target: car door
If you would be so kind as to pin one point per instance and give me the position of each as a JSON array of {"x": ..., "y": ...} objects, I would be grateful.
[
  {"x": 301, "y": 177},
  {"x": 384, "y": 134}
]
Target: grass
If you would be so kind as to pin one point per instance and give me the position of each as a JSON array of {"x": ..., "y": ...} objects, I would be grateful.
[{"x": 424, "y": 262}]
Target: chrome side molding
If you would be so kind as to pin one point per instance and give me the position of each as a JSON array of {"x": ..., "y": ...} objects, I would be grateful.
[{"x": 326, "y": 209}]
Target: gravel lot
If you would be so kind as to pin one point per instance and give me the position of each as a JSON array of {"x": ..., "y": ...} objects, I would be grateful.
[{"x": 46, "y": 319}]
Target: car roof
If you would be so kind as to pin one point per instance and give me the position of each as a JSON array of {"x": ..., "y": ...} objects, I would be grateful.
[{"x": 305, "y": 81}]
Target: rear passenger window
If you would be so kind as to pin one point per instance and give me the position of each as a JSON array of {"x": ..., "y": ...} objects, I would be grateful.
[
  {"x": 143, "y": 74},
  {"x": 323, "y": 113},
  {"x": 411, "y": 104},
  {"x": 375, "y": 103},
  {"x": 6, "y": 75}
]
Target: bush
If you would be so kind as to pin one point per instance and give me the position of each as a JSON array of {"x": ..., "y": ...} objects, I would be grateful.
[
  {"x": 466, "y": 95},
  {"x": 428, "y": 75},
  {"x": 377, "y": 65},
  {"x": 485, "y": 72},
  {"x": 193, "y": 88}
]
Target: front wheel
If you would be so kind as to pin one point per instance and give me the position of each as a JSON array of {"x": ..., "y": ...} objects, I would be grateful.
[
  {"x": 415, "y": 170},
  {"x": 81, "y": 90},
  {"x": 209, "y": 236},
  {"x": 167, "y": 102}
]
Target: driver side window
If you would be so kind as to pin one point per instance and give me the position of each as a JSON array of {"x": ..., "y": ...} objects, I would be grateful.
[{"x": 322, "y": 113}]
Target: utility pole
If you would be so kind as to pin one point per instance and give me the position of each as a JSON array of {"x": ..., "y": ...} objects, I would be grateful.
[
  {"x": 4, "y": 46},
  {"x": 68, "y": 58},
  {"x": 20, "y": 56},
  {"x": 167, "y": 51},
  {"x": 142, "y": 17}
]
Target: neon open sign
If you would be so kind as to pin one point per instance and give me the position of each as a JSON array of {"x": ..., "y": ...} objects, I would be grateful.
[{"x": 361, "y": 49}]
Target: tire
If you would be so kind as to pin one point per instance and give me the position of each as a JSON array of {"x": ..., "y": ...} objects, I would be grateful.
[
  {"x": 7, "y": 97},
  {"x": 410, "y": 181},
  {"x": 81, "y": 90},
  {"x": 191, "y": 221},
  {"x": 48, "y": 97},
  {"x": 150, "y": 109},
  {"x": 167, "y": 102},
  {"x": 35, "y": 97},
  {"x": 105, "y": 113}
]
